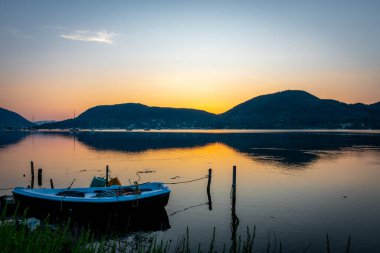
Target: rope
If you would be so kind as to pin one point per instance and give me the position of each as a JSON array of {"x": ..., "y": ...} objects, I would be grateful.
[
  {"x": 202, "y": 204},
  {"x": 63, "y": 195},
  {"x": 135, "y": 202},
  {"x": 182, "y": 182},
  {"x": 187, "y": 181}
]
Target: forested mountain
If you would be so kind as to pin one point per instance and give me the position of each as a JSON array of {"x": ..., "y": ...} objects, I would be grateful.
[{"x": 9, "y": 119}]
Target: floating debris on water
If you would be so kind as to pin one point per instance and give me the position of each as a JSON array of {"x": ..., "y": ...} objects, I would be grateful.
[{"x": 146, "y": 171}]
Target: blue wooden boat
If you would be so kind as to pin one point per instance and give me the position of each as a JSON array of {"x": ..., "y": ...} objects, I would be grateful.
[{"x": 99, "y": 200}]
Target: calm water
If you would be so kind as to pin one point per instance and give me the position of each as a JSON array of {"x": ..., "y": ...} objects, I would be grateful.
[{"x": 298, "y": 185}]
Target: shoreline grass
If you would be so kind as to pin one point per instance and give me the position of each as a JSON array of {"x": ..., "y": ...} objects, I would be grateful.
[{"x": 16, "y": 235}]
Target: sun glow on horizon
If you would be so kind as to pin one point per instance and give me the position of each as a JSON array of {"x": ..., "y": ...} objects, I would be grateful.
[{"x": 185, "y": 55}]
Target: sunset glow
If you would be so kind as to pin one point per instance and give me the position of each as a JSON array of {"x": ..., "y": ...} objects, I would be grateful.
[{"x": 59, "y": 57}]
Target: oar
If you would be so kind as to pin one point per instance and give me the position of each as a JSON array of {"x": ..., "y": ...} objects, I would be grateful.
[{"x": 71, "y": 184}]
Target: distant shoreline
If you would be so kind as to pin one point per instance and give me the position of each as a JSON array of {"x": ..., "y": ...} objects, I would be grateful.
[{"x": 210, "y": 131}]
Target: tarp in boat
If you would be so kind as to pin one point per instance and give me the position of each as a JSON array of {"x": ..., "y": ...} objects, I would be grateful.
[{"x": 98, "y": 182}]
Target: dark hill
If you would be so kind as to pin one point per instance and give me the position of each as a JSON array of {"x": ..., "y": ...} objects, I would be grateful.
[
  {"x": 375, "y": 105},
  {"x": 291, "y": 109},
  {"x": 295, "y": 109},
  {"x": 137, "y": 116},
  {"x": 9, "y": 119}
]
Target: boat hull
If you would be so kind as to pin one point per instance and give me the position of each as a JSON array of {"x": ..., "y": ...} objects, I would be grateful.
[{"x": 53, "y": 206}]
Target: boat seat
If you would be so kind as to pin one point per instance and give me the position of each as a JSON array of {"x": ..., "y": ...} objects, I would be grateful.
[
  {"x": 116, "y": 192},
  {"x": 123, "y": 190},
  {"x": 113, "y": 190},
  {"x": 71, "y": 194}
]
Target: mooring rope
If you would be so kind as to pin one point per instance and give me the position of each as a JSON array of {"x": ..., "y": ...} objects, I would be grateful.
[
  {"x": 189, "y": 181},
  {"x": 182, "y": 182},
  {"x": 202, "y": 204}
]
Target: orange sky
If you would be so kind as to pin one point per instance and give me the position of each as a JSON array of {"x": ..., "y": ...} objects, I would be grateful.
[
  {"x": 196, "y": 55},
  {"x": 213, "y": 93}
]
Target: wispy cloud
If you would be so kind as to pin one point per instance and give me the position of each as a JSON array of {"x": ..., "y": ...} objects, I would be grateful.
[{"x": 90, "y": 36}]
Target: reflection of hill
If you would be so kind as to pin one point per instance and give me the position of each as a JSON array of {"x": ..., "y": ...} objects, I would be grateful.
[
  {"x": 289, "y": 149},
  {"x": 11, "y": 137},
  {"x": 296, "y": 149},
  {"x": 142, "y": 141},
  {"x": 285, "y": 148},
  {"x": 283, "y": 156}
]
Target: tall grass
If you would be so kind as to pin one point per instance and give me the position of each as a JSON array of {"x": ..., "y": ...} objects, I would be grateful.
[{"x": 17, "y": 236}]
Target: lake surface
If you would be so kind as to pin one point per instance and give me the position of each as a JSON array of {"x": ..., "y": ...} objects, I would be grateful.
[{"x": 295, "y": 185}]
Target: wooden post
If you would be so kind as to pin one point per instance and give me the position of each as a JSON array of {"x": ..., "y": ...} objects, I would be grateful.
[
  {"x": 39, "y": 177},
  {"x": 235, "y": 219},
  {"x": 348, "y": 244},
  {"x": 208, "y": 189},
  {"x": 328, "y": 243},
  {"x": 51, "y": 183},
  {"x": 107, "y": 172},
  {"x": 32, "y": 174},
  {"x": 233, "y": 188}
]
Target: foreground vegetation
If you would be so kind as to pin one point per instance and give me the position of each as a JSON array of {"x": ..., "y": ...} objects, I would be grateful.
[
  {"x": 19, "y": 235},
  {"x": 16, "y": 236}
]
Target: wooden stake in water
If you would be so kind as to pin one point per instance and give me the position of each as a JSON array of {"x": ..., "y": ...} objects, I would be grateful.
[
  {"x": 235, "y": 220},
  {"x": 32, "y": 174},
  {"x": 208, "y": 189},
  {"x": 348, "y": 244},
  {"x": 51, "y": 183},
  {"x": 107, "y": 172},
  {"x": 233, "y": 189},
  {"x": 39, "y": 177},
  {"x": 328, "y": 243}
]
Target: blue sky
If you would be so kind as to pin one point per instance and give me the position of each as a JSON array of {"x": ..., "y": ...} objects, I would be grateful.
[{"x": 211, "y": 55}]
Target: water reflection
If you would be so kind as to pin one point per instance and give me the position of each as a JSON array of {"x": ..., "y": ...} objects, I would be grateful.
[
  {"x": 115, "y": 223},
  {"x": 287, "y": 149},
  {"x": 296, "y": 204},
  {"x": 290, "y": 149},
  {"x": 142, "y": 221},
  {"x": 8, "y": 138},
  {"x": 295, "y": 149}
]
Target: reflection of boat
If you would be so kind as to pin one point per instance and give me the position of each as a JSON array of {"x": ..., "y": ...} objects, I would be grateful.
[
  {"x": 99, "y": 200},
  {"x": 145, "y": 220},
  {"x": 121, "y": 223}
]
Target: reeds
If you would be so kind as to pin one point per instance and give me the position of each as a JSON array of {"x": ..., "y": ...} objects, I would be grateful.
[{"x": 17, "y": 236}]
